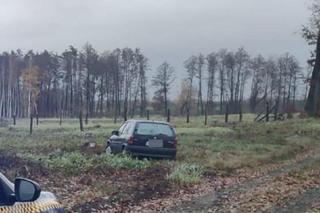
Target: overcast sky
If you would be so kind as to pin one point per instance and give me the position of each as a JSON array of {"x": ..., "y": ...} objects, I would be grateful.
[{"x": 170, "y": 30}]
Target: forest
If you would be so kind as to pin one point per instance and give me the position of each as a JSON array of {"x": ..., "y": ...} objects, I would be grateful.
[{"x": 117, "y": 84}]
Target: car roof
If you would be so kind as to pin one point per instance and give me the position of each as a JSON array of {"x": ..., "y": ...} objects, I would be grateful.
[{"x": 149, "y": 121}]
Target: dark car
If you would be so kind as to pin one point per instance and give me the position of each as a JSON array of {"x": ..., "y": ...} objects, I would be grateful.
[
  {"x": 144, "y": 138},
  {"x": 26, "y": 196}
]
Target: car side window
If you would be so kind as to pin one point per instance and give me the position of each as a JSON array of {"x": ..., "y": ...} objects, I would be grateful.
[
  {"x": 122, "y": 128},
  {"x": 127, "y": 129}
]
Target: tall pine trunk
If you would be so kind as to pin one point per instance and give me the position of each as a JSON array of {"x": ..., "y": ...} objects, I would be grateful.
[{"x": 313, "y": 102}]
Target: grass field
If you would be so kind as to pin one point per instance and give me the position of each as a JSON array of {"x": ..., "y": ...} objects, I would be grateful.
[{"x": 56, "y": 157}]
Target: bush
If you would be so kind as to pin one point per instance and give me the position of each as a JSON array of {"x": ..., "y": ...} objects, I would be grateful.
[
  {"x": 121, "y": 162},
  {"x": 186, "y": 174},
  {"x": 71, "y": 163},
  {"x": 76, "y": 163}
]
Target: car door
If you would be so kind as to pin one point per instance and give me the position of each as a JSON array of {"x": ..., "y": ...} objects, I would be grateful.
[
  {"x": 117, "y": 142},
  {"x": 3, "y": 196}
]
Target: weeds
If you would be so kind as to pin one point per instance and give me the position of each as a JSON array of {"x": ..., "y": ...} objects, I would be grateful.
[
  {"x": 186, "y": 174},
  {"x": 75, "y": 163}
]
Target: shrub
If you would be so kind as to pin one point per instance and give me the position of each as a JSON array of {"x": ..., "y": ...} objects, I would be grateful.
[
  {"x": 121, "y": 162},
  {"x": 76, "y": 163},
  {"x": 71, "y": 163},
  {"x": 186, "y": 174}
]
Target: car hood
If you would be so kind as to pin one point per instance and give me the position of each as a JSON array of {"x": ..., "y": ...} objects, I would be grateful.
[
  {"x": 47, "y": 196},
  {"x": 46, "y": 203}
]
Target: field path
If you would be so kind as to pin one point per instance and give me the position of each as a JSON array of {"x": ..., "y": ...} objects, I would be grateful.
[
  {"x": 240, "y": 197},
  {"x": 306, "y": 202}
]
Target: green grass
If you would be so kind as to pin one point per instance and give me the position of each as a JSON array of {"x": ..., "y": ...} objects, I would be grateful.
[
  {"x": 75, "y": 163},
  {"x": 217, "y": 146},
  {"x": 186, "y": 174}
]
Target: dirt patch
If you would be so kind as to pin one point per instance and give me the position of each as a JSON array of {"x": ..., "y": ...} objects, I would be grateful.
[
  {"x": 12, "y": 166},
  {"x": 133, "y": 187}
]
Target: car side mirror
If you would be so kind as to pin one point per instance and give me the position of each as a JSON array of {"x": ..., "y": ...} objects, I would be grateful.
[
  {"x": 115, "y": 132},
  {"x": 26, "y": 190}
]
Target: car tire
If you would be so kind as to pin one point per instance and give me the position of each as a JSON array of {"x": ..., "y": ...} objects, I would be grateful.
[{"x": 108, "y": 150}]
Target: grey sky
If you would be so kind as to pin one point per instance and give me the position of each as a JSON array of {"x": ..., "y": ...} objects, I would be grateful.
[{"x": 169, "y": 30}]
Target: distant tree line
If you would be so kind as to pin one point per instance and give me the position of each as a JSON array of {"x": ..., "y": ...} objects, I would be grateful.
[
  {"x": 84, "y": 83},
  {"x": 227, "y": 80},
  {"x": 76, "y": 82}
]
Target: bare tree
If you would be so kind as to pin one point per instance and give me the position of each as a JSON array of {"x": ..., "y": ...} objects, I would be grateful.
[
  {"x": 162, "y": 81},
  {"x": 258, "y": 82},
  {"x": 212, "y": 60},
  {"x": 222, "y": 78},
  {"x": 191, "y": 66},
  {"x": 199, "y": 75}
]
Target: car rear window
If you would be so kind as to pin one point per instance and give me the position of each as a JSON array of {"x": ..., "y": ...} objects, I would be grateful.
[{"x": 154, "y": 129}]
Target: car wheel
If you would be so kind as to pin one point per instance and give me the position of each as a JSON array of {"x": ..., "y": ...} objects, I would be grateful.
[{"x": 108, "y": 150}]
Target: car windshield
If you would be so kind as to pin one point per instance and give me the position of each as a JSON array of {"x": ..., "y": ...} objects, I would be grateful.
[{"x": 154, "y": 129}]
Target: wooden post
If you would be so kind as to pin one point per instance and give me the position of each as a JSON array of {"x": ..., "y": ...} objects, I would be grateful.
[
  {"x": 31, "y": 124},
  {"x": 240, "y": 113},
  {"x": 60, "y": 119},
  {"x": 227, "y": 114},
  {"x": 276, "y": 111},
  {"x": 206, "y": 116},
  {"x": 80, "y": 121},
  {"x": 148, "y": 115},
  {"x": 87, "y": 116},
  {"x": 168, "y": 115},
  {"x": 188, "y": 116},
  {"x": 14, "y": 119},
  {"x": 267, "y": 112}
]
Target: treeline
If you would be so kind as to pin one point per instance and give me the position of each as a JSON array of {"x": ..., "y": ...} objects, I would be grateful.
[
  {"x": 114, "y": 83},
  {"x": 228, "y": 81},
  {"x": 76, "y": 82}
]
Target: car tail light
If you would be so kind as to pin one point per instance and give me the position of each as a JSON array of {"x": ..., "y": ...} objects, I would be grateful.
[
  {"x": 175, "y": 142},
  {"x": 130, "y": 140}
]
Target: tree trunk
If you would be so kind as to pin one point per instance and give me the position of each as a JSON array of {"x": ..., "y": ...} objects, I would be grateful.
[
  {"x": 80, "y": 121},
  {"x": 313, "y": 102},
  {"x": 206, "y": 115},
  {"x": 240, "y": 112},
  {"x": 87, "y": 117},
  {"x": 31, "y": 123},
  {"x": 37, "y": 118},
  {"x": 188, "y": 115},
  {"x": 165, "y": 100},
  {"x": 226, "y": 118},
  {"x": 267, "y": 112},
  {"x": 168, "y": 115},
  {"x": 60, "y": 119}
]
